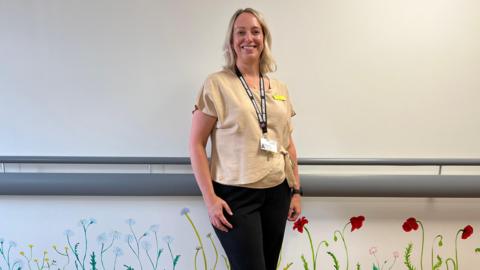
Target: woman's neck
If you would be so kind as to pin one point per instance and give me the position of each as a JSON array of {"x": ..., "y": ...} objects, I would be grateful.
[{"x": 249, "y": 70}]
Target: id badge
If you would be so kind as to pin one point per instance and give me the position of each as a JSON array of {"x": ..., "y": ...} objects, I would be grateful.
[{"x": 268, "y": 145}]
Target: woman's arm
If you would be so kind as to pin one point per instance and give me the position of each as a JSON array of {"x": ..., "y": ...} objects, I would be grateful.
[
  {"x": 295, "y": 204},
  {"x": 202, "y": 126}
]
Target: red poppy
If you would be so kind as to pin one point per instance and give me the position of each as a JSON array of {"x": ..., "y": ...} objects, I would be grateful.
[
  {"x": 299, "y": 224},
  {"x": 410, "y": 224},
  {"x": 357, "y": 222},
  {"x": 467, "y": 232}
]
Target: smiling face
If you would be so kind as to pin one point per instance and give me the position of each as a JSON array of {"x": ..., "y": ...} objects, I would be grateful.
[{"x": 247, "y": 39}]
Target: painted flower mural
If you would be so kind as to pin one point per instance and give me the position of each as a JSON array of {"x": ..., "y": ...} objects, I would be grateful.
[
  {"x": 412, "y": 224},
  {"x": 386, "y": 263},
  {"x": 299, "y": 225},
  {"x": 356, "y": 223},
  {"x": 149, "y": 249},
  {"x": 467, "y": 232}
]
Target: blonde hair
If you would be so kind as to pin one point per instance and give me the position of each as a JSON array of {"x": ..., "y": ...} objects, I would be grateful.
[{"x": 267, "y": 63}]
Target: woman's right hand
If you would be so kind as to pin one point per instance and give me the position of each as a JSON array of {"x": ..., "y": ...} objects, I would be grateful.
[{"x": 215, "y": 208}]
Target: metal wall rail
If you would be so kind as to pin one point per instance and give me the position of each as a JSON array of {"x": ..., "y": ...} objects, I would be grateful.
[
  {"x": 186, "y": 160},
  {"x": 164, "y": 184}
]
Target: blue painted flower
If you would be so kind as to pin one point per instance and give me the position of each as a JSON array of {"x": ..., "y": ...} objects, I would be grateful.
[
  {"x": 129, "y": 238},
  {"x": 117, "y": 251},
  {"x": 87, "y": 221},
  {"x": 115, "y": 235},
  {"x": 154, "y": 228},
  {"x": 130, "y": 221},
  {"x": 168, "y": 239},
  {"x": 146, "y": 245},
  {"x": 102, "y": 239},
  {"x": 184, "y": 211}
]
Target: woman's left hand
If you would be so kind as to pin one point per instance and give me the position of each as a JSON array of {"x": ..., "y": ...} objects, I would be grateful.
[{"x": 295, "y": 207}]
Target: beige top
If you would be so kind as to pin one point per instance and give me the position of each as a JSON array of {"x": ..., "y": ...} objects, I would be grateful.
[{"x": 236, "y": 157}]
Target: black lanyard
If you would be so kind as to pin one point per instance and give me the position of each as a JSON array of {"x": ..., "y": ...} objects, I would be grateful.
[{"x": 262, "y": 112}]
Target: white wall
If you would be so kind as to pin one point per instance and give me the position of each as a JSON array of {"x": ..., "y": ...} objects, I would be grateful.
[{"x": 368, "y": 78}]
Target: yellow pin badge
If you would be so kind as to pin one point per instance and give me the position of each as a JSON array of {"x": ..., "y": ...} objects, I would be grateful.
[{"x": 279, "y": 97}]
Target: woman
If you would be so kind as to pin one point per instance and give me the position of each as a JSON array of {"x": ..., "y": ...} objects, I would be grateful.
[{"x": 251, "y": 186}]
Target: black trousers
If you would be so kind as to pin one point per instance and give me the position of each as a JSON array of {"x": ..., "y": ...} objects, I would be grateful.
[{"x": 259, "y": 219}]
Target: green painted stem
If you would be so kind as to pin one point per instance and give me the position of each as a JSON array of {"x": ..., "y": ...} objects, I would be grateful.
[
  {"x": 115, "y": 262},
  {"x": 156, "y": 250},
  {"x": 195, "y": 259},
  {"x": 456, "y": 251},
  {"x": 137, "y": 243},
  {"x": 171, "y": 255},
  {"x": 216, "y": 252},
  {"x": 311, "y": 247},
  {"x": 423, "y": 244},
  {"x": 393, "y": 263},
  {"x": 227, "y": 264},
  {"x": 199, "y": 240},
  {"x": 73, "y": 250},
  {"x": 376, "y": 259},
  {"x": 150, "y": 259},
  {"x": 8, "y": 256},
  {"x": 86, "y": 246},
  {"x": 345, "y": 244},
  {"x": 452, "y": 261},
  {"x": 433, "y": 244},
  {"x": 101, "y": 256},
  {"x": 318, "y": 247}
]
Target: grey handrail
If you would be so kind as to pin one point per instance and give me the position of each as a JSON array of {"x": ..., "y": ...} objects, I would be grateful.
[
  {"x": 186, "y": 160},
  {"x": 167, "y": 184}
]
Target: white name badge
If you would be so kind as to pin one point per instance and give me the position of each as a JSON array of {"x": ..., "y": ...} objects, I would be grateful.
[{"x": 268, "y": 145}]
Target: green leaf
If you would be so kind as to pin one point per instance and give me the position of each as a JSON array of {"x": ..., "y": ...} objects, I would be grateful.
[
  {"x": 408, "y": 253},
  {"x": 288, "y": 266},
  {"x": 75, "y": 249},
  {"x": 375, "y": 267},
  {"x": 477, "y": 250},
  {"x": 358, "y": 266},
  {"x": 335, "y": 261},
  {"x": 128, "y": 267},
  {"x": 438, "y": 264},
  {"x": 335, "y": 238},
  {"x": 93, "y": 262},
  {"x": 175, "y": 261},
  {"x": 305, "y": 264}
]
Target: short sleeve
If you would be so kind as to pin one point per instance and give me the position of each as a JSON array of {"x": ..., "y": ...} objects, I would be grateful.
[
  {"x": 206, "y": 101},
  {"x": 290, "y": 106},
  {"x": 292, "y": 112}
]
